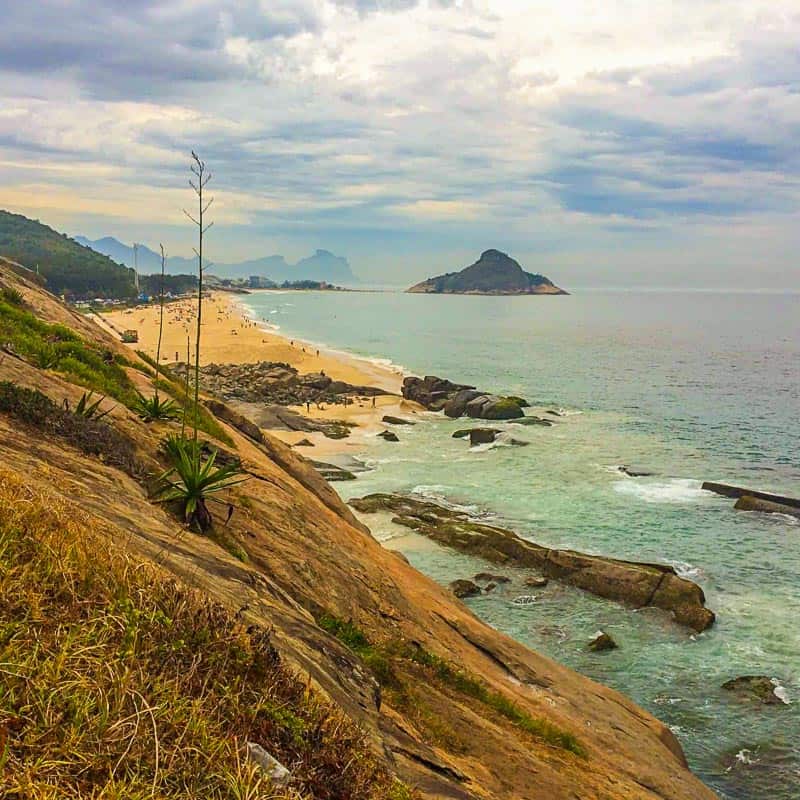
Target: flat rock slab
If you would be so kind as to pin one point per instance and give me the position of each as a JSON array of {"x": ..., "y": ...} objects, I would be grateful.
[
  {"x": 632, "y": 582},
  {"x": 727, "y": 490}
]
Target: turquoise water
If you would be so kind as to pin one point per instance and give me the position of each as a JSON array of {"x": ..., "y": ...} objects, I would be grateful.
[{"x": 692, "y": 386}]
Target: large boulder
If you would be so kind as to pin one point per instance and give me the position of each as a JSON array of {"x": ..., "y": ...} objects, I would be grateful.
[
  {"x": 474, "y": 408},
  {"x": 503, "y": 408},
  {"x": 602, "y": 642},
  {"x": 464, "y": 588},
  {"x": 482, "y": 436},
  {"x": 757, "y": 687},
  {"x": 457, "y": 405}
]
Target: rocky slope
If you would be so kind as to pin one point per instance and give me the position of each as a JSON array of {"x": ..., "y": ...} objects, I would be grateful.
[
  {"x": 493, "y": 273},
  {"x": 370, "y": 632}
]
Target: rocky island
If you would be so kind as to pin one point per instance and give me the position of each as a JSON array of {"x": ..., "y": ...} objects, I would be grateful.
[{"x": 493, "y": 273}]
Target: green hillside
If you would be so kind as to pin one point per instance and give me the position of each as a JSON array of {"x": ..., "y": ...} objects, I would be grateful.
[{"x": 67, "y": 266}]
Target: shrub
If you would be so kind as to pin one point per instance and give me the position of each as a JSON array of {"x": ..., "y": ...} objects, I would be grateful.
[
  {"x": 90, "y": 436},
  {"x": 121, "y": 682},
  {"x": 12, "y": 296},
  {"x": 386, "y": 657}
]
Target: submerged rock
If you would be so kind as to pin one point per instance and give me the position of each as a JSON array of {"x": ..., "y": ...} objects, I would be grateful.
[
  {"x": 638, "y": 584},
  {"x": 483, "y": 577},
  {"x": 545, "y": 423},
  {"x": 758, "y": 687},
  {"x": 388, "y": 436},
  {"x": 389, "y": 420},
  {"x": 332, "y": 473},
  {"x": 482, "y": 436},
  {"x": 748, "y": 503},
  {"x": 602, "y": 642},
  {"x": 464, "y": 588},
  {"x": 536, "y": 581},
  {"x": 634, "y": 473}
]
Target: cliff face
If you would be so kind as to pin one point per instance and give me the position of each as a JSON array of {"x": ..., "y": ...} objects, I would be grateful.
[
  {"x": 313, "y": 571},
  {"x": 493, "y": 273}
]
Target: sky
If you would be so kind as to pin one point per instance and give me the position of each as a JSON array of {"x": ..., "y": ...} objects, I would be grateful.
[{"x": 602, "y": 143}]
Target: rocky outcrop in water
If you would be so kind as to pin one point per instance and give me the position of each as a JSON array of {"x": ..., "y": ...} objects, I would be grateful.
[
  {"x": 635, "y": 583},
  {"x": 602, "y": 642},
  {"x": 462, "y": 588},
  {"x": 727, "y": 490},
  {"x": 757, "y": 687},
  {"x": 458, "y": 400},
  {"x": 747, "y": 503},
  {"x": 493, "y": 273}
]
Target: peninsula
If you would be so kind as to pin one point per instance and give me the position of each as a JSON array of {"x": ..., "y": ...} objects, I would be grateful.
[{"x": 493, "y": 273}]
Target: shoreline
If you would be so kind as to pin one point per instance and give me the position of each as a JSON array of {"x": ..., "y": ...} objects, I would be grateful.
[{"x": 231, "y": 334}]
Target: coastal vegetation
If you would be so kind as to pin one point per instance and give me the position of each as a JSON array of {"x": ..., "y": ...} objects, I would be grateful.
[
  {"x": 385, "y": 659},
  {"x": 57, "y": 347},
  {"x": 121, "y": 682}
]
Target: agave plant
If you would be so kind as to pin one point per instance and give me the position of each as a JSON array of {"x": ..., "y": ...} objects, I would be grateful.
[
  {"x": 152, "y": 408},
  {"x": 90, "y": 410},
  {"x": 192, "y": 482}
]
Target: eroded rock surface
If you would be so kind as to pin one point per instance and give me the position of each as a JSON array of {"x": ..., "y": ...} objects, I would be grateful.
[{"x": 635, "y": 583}]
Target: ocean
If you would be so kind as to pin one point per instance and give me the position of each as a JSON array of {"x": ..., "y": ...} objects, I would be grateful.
[{"x": 687, "y": 385}]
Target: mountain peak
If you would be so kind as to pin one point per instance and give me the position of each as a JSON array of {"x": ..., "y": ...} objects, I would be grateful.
[{"x": 494, "y": 272}]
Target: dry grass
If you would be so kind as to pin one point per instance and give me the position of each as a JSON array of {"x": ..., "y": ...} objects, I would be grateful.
[{"x": 117, "y": 681}]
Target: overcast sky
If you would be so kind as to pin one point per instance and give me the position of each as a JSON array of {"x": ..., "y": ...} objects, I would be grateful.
[{"x": 599, "y": 142}]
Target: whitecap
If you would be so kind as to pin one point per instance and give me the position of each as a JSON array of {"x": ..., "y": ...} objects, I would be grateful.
[
  {"x": 780, "y": 692},
  {"x": 524, "y": 600},
  {"x": 678, "y": 490}
]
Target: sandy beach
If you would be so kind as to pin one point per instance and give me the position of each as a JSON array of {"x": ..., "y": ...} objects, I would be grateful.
[{"x": 229, "y": 336}]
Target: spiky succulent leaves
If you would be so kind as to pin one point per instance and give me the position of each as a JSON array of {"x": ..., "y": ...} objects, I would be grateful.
[
  {"x": 192, "y": 481},
  {"x": 152, "y": 408},
  {"x": 85, "y": 408}
]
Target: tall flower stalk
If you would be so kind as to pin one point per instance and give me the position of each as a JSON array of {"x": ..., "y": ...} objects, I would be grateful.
[
  {"x": 160, "y": 317},
  {"x": 198, "y": 183}
]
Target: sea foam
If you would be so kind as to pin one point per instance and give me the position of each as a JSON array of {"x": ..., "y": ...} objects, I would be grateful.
[{"x": 677, "y": 490}]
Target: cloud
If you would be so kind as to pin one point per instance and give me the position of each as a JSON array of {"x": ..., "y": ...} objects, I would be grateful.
[{"x": 443, "y": 124}]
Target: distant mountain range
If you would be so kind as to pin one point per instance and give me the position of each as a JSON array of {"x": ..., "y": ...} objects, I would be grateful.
[
  {"x": 322, "y": 266},
  {"x": 67, "y": 267},
  {"x": 493, "y": 273}
]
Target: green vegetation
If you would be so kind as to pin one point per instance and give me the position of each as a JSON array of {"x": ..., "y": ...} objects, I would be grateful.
[
  {"x": 195, "y": 481},
  {"x": 68, "y": 266},
  {"x": 153, "y": 408},
  {"x": 384, "y": 659},
  {"x": 173, "y": 284},
  {"x": 90, "y": 410},
  {"x": 58, "y": 348},
  {"x": 12, "y": 296},
  {"x": 90, "y": 436},
  {"x": 122, "y": 683}
]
